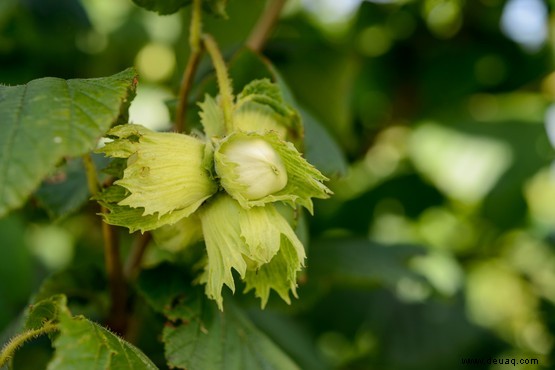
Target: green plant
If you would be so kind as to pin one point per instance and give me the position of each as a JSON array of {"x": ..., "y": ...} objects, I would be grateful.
[
  {"x": 228, "y": 186},
  {"x": 208, "y": 238}
]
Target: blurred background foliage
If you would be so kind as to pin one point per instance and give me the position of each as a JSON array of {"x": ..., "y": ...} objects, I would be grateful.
[{"x": 439, "y": 242}]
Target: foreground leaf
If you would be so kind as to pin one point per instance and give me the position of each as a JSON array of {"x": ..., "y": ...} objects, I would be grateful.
[
  {"x": 48, "y": 119},
  {"x": 218, "y": 340},
  {"x": 82, "y": 344},
  {"x": 201, "y": 337}
]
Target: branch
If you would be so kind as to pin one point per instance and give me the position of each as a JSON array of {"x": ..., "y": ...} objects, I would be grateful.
[
  {"x": 133, "y": 264},
  {"x": 117, "y": 319},
  {"x": 265, "y": 25},
  {"x": 191, "y": 67}
]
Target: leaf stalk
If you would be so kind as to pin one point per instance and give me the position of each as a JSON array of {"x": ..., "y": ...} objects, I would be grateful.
[{"x": 16, "y": 342}]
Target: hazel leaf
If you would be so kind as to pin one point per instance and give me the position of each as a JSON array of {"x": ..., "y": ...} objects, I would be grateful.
[{"x": 49, "y": 119}]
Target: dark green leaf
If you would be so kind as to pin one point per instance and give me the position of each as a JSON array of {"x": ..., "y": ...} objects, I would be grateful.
[
  {"x": 65, "y": 191},
  {"x": 16, "y": 265},
  {"x": 82, "y": 344},
  {"x": 321, "y": 149},
  {"x": 216, "y": 7},
  {"x": 291, "y": 336},
  {"x": 361, "y": 262},
  {"x": 202, "y": 337},
  {"x": 46, "y": 310},
  {"x": 162, "y": 6},
  {"x": 48, "y": 119},
  {"x": 221, "y": 340}
]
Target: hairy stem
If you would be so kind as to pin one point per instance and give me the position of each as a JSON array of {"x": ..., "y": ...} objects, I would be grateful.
[
  {"x": 191, "y": 67},
  {"x": 224, "y": 82},
  {"x": 16, "y": 342},
  {"x": 264, "y": 26},
  {"x": 117, "y": 319}
]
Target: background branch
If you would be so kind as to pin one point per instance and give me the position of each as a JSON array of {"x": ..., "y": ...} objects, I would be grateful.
[
  {"x": 265, "y": 25},
  {"x": 191, "y": 67}
]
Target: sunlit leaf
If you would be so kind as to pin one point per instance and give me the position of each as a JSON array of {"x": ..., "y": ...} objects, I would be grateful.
[
  {"x": 83, "y": 344},
  {"x": 48, "y": 119}
]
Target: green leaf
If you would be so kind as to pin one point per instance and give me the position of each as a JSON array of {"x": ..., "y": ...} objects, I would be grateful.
[
  {"x": 46, "y": 310},
  {"x": 16, "y": 264},
  {"x": 49, "y": 119},
  {"x": 167, "y": 290},
  {"x": 218, "y": 340},
  {"x": 83, "y": 344},
  {"x": 321, "y": 149},
  {"x": 206, "y": 337},
  {"x": 201, "y": 337},
  {"x": 164, "y": 7},
  {"x": 360, "y": 262},
  {"x": 65, "y": 191},
  {"x": 216, "y": 7},
  {"x": 83, "y": 285}
]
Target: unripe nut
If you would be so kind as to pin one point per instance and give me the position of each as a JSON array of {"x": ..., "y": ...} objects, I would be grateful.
[{"x": 258, "y": 167}]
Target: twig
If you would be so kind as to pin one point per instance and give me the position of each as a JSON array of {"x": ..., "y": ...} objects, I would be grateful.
[
  {"x": 133, "y": 264},
  {"x": 224, "y": 82},
  {"x": 117, "y": 319},
  {"x": 12, "y": 346},
  {"x": 191, "y": 67},
  {"x": 264, "y": 26}
]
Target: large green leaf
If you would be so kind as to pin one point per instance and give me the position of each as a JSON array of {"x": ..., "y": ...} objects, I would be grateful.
[
  {"x": 362, "y": 263},
  {"x": 202, "y": 337},
  {"x": 65, "y": 191},
  {"x": 82, "y": 344},
  {"x": 50, "y": 118},
  {"x": 222, "y": 340}
]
